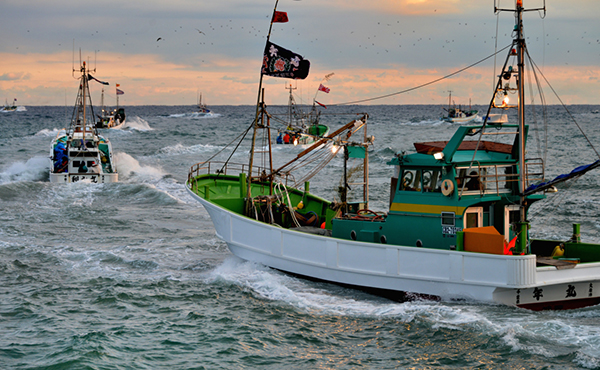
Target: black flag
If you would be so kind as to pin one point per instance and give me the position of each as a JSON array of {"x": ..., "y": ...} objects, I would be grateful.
[
  {"x": 280, "y": 62},
  {"x": 90, "y": 77}
]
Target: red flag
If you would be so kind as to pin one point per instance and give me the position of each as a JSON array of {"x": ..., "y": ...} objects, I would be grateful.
[
  {"x": 280, "y": 17},
  {"x": 324, "y": 88},
  {"x": 323, "y": 105}
]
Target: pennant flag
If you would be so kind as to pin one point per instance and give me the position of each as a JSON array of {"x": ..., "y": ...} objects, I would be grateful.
[
  {"x": 90, "y": 77},
  {"x": 325, "y": 89},
  {"x": 280, "y": 17},
  {"x": 280, "y": 62},
  {"x": 323, "y": 105},
  {"x": 120, "y": 92},
  {"x": 118, "y": 85}
]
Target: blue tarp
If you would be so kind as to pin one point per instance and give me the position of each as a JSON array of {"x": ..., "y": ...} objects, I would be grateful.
[{"x": 578, "y": 171}]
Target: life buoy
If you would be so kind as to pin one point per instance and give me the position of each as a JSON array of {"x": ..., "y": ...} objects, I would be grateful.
[{"x": 447, "y": 187}]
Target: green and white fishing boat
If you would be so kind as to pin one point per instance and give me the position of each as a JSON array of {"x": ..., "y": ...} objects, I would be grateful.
[
  {"x": 301, "y": 128},
  {"x": 79, "y": 153},
  {"x": 456, "y": 227}
]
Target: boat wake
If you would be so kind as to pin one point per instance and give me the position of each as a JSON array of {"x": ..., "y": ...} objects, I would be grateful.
[
  {"x": 203, "y": 115},
  {"x": 35, "y": 169},
  {"x": 179, "y": 149},
  {"x": 131, "y": 170},
  {"x": 195, "y": 115},
  {"x": 49, "y": 133},
  {"x": 136, "y": 123},
  {"x": 548, "y": 334}
]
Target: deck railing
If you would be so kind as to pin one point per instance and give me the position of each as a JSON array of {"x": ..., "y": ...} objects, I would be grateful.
[
  {"x": 497, "y": 179},
  {"x": 232, "y": 169}
]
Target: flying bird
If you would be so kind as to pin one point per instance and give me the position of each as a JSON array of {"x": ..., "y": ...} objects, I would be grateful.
[
  {"x": 158, "y": 39},
  {"x": 200, "y": 31}
]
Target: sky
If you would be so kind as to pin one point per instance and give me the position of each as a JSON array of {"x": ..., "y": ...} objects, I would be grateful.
[{"x": 167, "y": 52}]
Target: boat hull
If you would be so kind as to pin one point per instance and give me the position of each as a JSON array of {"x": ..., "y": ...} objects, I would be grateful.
[
  {"x": 460, "y": 119},
  {"x": 510, "y": 280}
]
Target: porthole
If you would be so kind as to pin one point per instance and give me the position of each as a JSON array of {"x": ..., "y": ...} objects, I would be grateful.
[
  {"x": 353, "y": 235},
  {"x": 419, "y": 243},
  {"x": 383, "y": 239}
]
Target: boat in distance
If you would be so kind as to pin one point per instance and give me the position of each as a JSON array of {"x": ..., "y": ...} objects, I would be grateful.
[{"x": 80, "y": 153}]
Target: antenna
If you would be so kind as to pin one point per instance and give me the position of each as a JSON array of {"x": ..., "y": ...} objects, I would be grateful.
[{"x": 73, "y": 60}]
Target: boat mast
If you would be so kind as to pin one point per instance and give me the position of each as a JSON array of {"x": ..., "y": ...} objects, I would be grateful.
[
  {"x": 255, "y": 124},
  {"x": 84, "y": 85},
  {"x": 291, "y": 103},
  {"x": 520, "y": 41}
]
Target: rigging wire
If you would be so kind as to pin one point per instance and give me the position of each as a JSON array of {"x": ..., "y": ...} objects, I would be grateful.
[
  {"x": 427, "y": 83},
  {"x": 243, "y": 135},
  {"x": 495, "y": 52},
  {"x": 564, "y": 106}
]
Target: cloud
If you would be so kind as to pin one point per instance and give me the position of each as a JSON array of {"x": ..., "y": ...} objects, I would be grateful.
[{"x": 15, "y": 76}]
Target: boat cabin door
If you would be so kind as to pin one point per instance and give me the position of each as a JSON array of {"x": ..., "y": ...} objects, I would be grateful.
[{"x": 511, "y": 216}]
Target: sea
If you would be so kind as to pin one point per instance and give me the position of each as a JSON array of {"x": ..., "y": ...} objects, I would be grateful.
[{"x": 131, "y": 275}]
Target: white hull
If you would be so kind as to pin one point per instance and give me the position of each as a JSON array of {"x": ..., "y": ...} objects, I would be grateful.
[
  {"x": 118, "y": 126},
  {"x": 505, "y": 279},
  {"x": 460, "y": 119}
]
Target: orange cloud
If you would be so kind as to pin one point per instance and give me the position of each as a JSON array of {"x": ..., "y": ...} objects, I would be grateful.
[{"x": 38, "y": 79}]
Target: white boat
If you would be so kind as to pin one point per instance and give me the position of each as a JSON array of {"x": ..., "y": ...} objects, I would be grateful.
[
  {"x": 12, "y": 107},
  {"x": 456, "y": 228},
  {"x": 79, "y": 153},
  {"x": 456, "y": 114},
  {"x": 203, "y": 110}
]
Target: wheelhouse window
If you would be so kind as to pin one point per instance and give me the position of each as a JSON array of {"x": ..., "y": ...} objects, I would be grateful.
[
  {"x": 432, "y": 181},
  {"x": 448, "y": 219},
  {"x": 411, "y": 180}
]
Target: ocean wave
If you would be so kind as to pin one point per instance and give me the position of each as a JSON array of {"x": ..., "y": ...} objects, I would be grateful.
[
  {"x": 35, "y": 169},
  {"x": 545, "y": 334},
  {"x": 50, "y": 133},
  {"x": 131, "y": 170},
  {"x": 137, "y": 123},
  {"x": 179, "y": 149}
]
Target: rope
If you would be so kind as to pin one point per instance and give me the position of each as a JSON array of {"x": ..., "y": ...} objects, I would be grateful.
[
  {"x": 425, "y": 84},
  {"x": 290, "y": 207}
]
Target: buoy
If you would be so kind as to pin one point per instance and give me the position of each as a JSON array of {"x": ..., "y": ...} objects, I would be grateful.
[
  {"x": 558, "y": 251},
  {"x": 447, "y": 187},
  {"x": 323, "y": 225},
  {"x": 300, "y": 205}
]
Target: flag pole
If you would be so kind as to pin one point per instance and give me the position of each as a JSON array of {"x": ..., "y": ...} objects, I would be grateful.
[{"x": 255, "y": 122}]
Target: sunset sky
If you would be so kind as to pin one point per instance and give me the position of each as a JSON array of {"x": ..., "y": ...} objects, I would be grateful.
[{"x": 373, "y": 48}]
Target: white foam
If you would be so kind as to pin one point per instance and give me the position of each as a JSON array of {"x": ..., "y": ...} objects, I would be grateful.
[
  {"x": 50, "y": 133},
  {"x": 129, "y": 167},
  {"x": 196, "y": 115},
  {"x": 179, "y": 149},
  {"x": 35, "y": 169},
  {"x": 137, "y": 123},
  {"x": 543, "y": 334}
]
